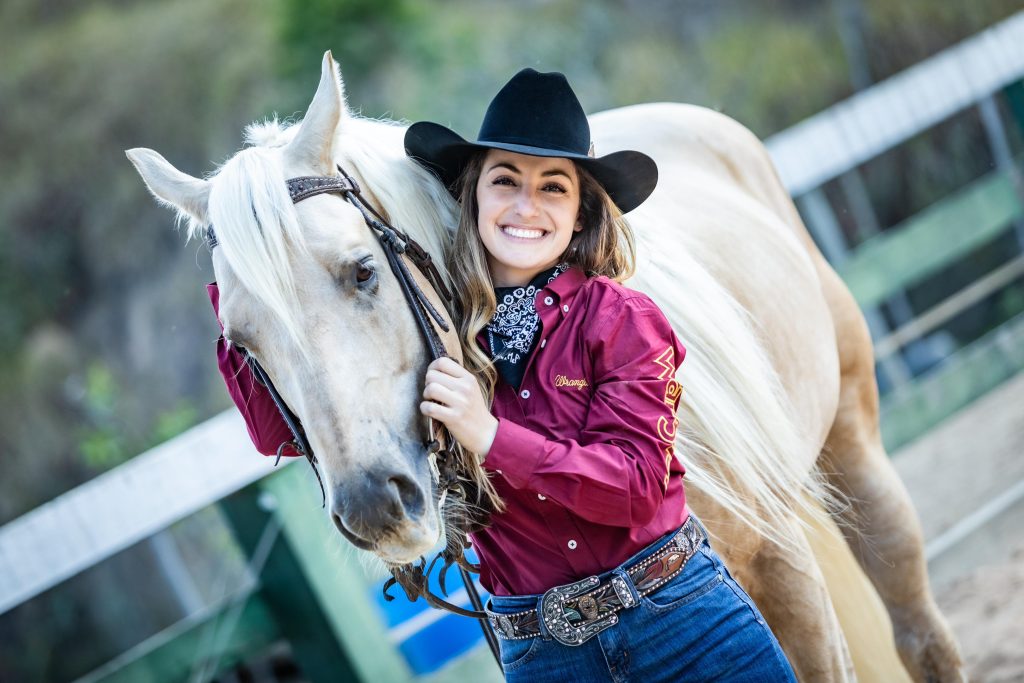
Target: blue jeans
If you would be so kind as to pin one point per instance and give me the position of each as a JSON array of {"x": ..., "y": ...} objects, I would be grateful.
[{"x": 700, "y": 626}]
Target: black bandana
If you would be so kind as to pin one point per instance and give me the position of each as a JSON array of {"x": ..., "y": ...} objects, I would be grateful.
[{"x": 512, "y": 332}]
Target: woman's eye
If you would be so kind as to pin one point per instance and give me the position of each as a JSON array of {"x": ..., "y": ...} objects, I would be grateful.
[
  {"x": 554, "y": 187},
  {"x": 503, "y": 180}
]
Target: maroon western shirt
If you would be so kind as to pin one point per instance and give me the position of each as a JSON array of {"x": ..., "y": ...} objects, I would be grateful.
[{"x": 583, "y": 456}]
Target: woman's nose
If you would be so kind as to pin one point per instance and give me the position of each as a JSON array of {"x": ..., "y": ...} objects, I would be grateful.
[{"x": 526, "y": 203}]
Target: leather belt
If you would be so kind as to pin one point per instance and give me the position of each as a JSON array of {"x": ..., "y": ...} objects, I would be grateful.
[{"x": 575, "y": 612}]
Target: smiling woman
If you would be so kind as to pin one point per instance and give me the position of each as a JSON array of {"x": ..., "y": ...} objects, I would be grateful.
[
  {"x": 528, "y": 212},
  {"x": 569, "y": 399}
]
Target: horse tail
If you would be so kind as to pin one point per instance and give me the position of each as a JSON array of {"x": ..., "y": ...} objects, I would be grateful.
[{"x": 737, "y": 437}]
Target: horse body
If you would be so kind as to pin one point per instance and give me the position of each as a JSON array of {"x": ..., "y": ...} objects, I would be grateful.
[
  {"x": 731, "y": 213},
  {"x": 779, "y": 364}
]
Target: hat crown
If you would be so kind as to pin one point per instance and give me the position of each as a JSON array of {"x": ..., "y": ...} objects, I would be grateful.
[{"x": 538, "y": 110}]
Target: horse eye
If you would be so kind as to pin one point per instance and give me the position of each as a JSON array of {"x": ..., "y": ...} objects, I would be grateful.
[{"x": 366, "y": 275}]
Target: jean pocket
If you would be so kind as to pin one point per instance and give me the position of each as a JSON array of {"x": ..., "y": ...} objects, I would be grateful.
[
  {"x": 698, "y": 577},
  {"x": 516, "y": 653}
]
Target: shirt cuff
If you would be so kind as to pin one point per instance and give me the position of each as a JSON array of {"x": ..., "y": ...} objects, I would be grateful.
[{"x": 516, "y": 453}]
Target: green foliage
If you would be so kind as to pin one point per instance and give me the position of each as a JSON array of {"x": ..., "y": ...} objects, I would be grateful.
[
  {"x": 903, "y": 33},
  {"x": 110, "y": 439},
  {"x": 173, "y": 422},
  {"x": 358, "y": 32},
  {"x": 769, "y": 71},
  {"x": 81, "y": 239},
  {"x": 103, "y": 444}
]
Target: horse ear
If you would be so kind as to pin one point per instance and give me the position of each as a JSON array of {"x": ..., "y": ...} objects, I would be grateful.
[
  {"x": 170, "y": 186},
  {"x": 312, "y": 144}
]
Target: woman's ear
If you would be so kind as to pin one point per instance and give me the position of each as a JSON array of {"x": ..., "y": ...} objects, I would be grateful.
[{"x": 579, "y": 223}]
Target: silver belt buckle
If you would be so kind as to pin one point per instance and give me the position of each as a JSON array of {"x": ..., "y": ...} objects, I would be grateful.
[{"x": 552, "y": 613}]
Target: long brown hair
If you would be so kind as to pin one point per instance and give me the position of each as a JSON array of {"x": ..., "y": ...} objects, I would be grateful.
[{"x": 604, "y": 246}]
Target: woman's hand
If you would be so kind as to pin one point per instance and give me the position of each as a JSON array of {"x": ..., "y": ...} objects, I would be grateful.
[{"x": 452, "y": 396}]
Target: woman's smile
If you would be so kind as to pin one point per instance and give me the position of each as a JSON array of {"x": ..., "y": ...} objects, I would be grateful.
[
  {"x": 528, "y": 211},
  {"x": 519, "y": 233}
]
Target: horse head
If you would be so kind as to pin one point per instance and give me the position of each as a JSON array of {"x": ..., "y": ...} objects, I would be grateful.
[{"x": 306, "y": 289}]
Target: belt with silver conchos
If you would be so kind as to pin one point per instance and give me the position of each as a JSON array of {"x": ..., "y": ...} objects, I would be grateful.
[{"x": 575, "y": 612}]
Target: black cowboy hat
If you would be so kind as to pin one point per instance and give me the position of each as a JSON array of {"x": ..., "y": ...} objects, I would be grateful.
[{"x": 537, "y": 114}]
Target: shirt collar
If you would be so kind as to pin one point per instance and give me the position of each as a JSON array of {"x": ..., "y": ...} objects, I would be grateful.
[{"x": 567, "y": 284}]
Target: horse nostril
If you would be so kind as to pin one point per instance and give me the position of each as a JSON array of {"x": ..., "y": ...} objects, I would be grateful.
[
  {"x": 409, "y": 495},
  {"x": 354, "y": 538}
]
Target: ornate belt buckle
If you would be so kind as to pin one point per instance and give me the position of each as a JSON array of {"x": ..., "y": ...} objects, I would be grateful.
[{"x": 552, "y": 613}]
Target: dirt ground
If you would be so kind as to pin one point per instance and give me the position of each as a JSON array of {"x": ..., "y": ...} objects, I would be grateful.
[
  {"x": 986, "y": 611},
  {"x": 964, "y": 464}
]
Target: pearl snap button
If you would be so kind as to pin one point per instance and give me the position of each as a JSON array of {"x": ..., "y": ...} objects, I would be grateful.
[
  {"x": 541, "y": 496},
  {"x": 548, "y": 301},
  {"x": 565, "y": 308},
  {"x": 525, "y": 393},
  {"x": 572, "y": 544}
]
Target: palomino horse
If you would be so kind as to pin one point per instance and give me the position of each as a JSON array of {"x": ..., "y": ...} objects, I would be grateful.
[{"x": 778, "y": 382}]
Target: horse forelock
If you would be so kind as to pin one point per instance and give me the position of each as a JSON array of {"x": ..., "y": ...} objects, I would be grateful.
[
  {"x": 271, "y": 132},
  {"x": 257, "y": 228}
]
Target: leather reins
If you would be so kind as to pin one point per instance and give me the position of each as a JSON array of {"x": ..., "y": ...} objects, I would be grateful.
[{"x": 395, "y": 244}]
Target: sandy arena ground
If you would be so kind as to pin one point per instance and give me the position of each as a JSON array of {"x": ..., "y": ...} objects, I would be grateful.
[
  {"x": 986, "y": 610},
  {"x": 969, "y": 463}
]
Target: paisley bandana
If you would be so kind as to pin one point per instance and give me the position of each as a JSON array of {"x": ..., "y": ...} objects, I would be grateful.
[{"x": 512, "y": 331}]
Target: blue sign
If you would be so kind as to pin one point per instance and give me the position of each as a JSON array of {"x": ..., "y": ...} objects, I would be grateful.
[{"x": 429, "y": 638}]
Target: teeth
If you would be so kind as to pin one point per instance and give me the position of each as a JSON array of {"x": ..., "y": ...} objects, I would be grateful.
[{"x": 520, "y": 232}]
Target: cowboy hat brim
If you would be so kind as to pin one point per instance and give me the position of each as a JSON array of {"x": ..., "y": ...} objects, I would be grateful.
[{"x": 627, "y": 176}]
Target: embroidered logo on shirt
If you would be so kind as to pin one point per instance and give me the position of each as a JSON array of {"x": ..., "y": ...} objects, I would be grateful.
[
  {"x": 673, "y": 392},
  {"x": 563, "y": 381}
]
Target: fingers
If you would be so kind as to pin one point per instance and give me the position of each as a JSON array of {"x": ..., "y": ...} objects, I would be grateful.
[
  {"x": 459, "y": 383},
  {"x": 436, "y": 410},
  {"x": 448, "y": 366},
  {"x": 438, "y": 393}
]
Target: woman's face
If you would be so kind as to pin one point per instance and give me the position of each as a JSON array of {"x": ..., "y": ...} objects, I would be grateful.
[{"x": 528, "y": 210}]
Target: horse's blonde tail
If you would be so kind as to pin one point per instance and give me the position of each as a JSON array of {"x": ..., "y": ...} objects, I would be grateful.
[{"x": 736, "y": 437}]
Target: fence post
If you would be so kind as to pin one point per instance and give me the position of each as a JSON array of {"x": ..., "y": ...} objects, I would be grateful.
[
  {"x": 315, "y": 585},
  {"x": 287, "y": 593}
]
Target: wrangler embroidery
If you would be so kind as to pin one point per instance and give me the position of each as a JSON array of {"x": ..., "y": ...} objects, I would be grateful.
[
  {"x": 563, "y": 381},
  {"x": 667, "y": 362},
  {"x": 670, "y": 452},
  {"x": 673, "y": 391},
  {"x": 667, "y": 431}
]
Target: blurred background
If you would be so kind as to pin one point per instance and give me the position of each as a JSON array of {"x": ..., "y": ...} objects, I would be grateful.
[{"x": 107, "y": 340}]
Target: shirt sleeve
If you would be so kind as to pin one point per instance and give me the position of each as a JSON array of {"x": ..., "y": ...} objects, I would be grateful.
[
  {"x": 267, "y": 428},
  {"x": 616, "y": 471}
]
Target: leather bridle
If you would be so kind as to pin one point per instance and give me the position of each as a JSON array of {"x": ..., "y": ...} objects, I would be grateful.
[{"x": 397, "y": 247}]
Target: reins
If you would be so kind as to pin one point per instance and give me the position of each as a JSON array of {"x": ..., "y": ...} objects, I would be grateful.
[{"x": 451, "y": 475}]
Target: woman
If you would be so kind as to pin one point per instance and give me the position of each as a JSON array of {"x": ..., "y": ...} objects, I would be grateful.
[
  {"x": 569, "y": 397},
  {"x": 596, "y": 568}
]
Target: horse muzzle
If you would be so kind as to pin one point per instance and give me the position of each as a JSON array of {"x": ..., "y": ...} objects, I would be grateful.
[{"x": 386, "y": 513}]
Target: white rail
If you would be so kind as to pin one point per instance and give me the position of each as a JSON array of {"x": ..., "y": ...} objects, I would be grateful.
[
  {"x": 974, "y": 521},
  {"x": 125, "y": 505},
  {"x": 849, "y": 133}
]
